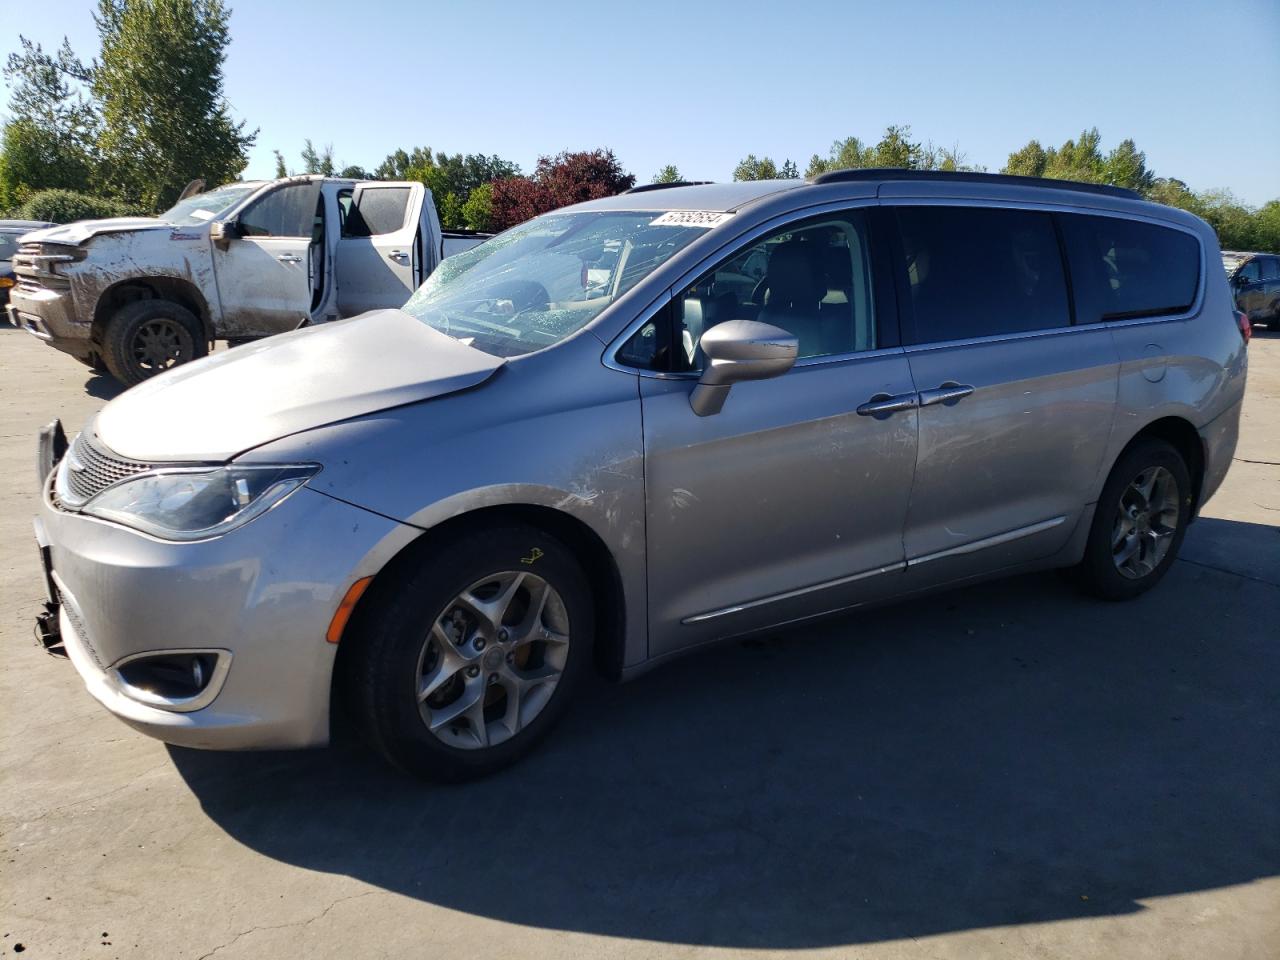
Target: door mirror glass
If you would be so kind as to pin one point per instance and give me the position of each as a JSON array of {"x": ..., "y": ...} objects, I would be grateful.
[{"x": 739, "y": 350}]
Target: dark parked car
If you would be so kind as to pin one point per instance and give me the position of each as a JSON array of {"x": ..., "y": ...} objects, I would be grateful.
[
  {"x": 1255, "y": 283},
  {"x": 10, "y": 232}
]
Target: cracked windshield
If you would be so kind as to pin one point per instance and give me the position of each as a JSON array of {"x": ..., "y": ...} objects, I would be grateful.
[{"x": 544, "y": 280}]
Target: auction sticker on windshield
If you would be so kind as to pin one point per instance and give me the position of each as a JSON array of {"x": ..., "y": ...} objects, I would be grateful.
[{"x": 691, "y": 218}]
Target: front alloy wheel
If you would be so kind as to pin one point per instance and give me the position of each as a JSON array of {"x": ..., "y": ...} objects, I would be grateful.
[
  {"x": 492, "y": 660},
  {"x": 464, "y": 653}
]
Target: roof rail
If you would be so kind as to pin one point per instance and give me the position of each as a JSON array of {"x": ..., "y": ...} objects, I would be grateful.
[
  {"x": 646, "y": 187},
  {"x": 960, "y": 176}
]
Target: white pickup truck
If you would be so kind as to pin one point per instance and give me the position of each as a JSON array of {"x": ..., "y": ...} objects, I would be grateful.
[{"x": 246, "y": 260}]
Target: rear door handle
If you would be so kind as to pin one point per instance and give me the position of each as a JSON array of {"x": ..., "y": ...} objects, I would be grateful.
[
  {"x": 398, "y": 255},
  {"x": 289, "y": 258},
  {"x": 883, "y": 404},
  {"x": 947, "y": 394}
]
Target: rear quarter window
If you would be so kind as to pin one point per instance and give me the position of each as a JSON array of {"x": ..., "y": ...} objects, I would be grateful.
[{"x": 1126, "y": 269}]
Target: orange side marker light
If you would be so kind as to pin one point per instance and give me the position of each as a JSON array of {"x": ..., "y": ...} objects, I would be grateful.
[{"x": 348, "y": 604}]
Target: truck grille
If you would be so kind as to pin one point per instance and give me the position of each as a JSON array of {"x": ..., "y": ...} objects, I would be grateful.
[{"x": 91, "y": 468}]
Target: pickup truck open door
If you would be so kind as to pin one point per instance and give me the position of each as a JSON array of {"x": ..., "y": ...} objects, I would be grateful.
[
  {"x": 390, "y": 243},
  {"x": 265, "y": 268}
]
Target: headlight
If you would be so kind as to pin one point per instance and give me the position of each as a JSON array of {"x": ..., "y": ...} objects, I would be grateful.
[{"x": 195, "y": 503}]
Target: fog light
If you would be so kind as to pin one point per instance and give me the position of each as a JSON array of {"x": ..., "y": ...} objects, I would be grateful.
[{"x": 174, "y": 680}]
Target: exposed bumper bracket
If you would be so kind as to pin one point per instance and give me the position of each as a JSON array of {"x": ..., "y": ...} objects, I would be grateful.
[{"x": 48, "y": 632}]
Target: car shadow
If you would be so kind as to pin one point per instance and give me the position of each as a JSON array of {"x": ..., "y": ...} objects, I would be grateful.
[
  {"x": 1003, "y": 754},
  {"x": 103, "y": 386}
]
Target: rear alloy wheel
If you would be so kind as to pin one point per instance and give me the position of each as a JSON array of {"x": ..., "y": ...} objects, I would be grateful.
[
  {"x": 147, "y": 337},
  {"x": 1139, "y": 522},
  {"x": 459, "y": 660},
  {"x": 1145, "y": 523}
]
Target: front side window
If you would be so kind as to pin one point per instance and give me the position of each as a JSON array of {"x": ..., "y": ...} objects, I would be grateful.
[
  {"x": 8, "y": 245},
  {"x": 1126, "y": 269},
  {"x": 980, "y": 271},
  {"x": 1251, "y": 272},
  {"x": 545, "y": 279},
  {"x": 812, "y": 279},
  {"x": 1271, "y": 268},
  {"x": 287, "y": 211}
]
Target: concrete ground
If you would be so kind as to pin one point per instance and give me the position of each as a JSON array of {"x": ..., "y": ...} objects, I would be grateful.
[{"x": 1004, "y": 771}]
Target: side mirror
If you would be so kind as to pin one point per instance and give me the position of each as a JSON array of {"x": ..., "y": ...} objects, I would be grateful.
[
  {"x": 223, "y": 232},
  {"x": 740, "y": 350}
]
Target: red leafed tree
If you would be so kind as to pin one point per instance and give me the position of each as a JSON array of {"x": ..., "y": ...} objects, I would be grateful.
[{"x": 557, "y": 182}]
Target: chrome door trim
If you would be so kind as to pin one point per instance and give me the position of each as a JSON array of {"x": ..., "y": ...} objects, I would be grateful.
[
  {"x": 975, "y": 545},
  {"x": 787, "y": 595}
]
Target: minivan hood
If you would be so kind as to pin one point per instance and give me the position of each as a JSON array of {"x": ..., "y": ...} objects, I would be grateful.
[
  {"x": 78, "y": 233},
  {"x": 215, "y": 408}
]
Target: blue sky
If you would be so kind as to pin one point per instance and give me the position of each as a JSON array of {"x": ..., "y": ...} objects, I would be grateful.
[{"x": 701, "y": 84}]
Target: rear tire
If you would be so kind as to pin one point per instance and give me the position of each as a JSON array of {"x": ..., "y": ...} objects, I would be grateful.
[
  {"x": 1135, "y": 538},
  {"x": 147, "y": 337},
  {"x": 448, "y": 693}
]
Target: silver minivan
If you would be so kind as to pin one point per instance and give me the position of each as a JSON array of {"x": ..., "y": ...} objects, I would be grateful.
[{"x": 632, "y": 427}]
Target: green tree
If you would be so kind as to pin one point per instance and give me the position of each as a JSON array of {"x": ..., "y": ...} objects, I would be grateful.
[
  {"x": 355, "y": 172},
  {"x": 159, "y": 84},
  {"x": 477, "y": 212},
  {"x": 317, "y": 161},
  {"x": 1077, "y": 159},
  {"x": 48, "y": 142},
  {"x": 847, "y": 154},
  {"x": 281, "y": 169},
  {"x": 1030, "y": 161},
  {"x": 668, "y": 174},
  {"x": 1126, "y": 166},
  {"x": 751, "y": 168},
  {"x": 897, "y": 149},
  {"x": 789, "y": 171},
  {"x": 398, "y": 163},
  {"x": 1267, "y": 226}
]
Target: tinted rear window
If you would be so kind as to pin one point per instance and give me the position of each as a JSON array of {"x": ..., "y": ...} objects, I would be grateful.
[
  {"x": 977, "y": 272},
  {"x": 1123, "y": 269},
  {"x": 377, "y": 211}
]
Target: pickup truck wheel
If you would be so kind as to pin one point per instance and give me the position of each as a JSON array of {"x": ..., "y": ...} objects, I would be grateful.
[
  {"x": 147, "y": 337},
  {"x": 463, "y": 662},
  {"x": 1138, "y": 524}
]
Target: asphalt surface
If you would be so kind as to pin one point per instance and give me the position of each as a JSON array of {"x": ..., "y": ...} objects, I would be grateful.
[{"x": 1009, "y": 770}]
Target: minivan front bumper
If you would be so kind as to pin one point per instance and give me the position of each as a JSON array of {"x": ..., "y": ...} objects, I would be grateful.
[{"x": 258, "y": 599}]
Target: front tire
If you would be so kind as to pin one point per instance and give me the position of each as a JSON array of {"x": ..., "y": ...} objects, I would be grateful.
[
  {"x": 147, "y": 337},
  {"x": 1139, "y": 522},
  {"x": 463, "y": 662}
]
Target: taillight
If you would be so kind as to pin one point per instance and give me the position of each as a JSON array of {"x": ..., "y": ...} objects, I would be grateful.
[{"x": 1246, "y": 328}]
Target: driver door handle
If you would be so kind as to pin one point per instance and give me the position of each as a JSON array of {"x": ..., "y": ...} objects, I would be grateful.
[
  {"x": 948, "y": 393},
  {"x": 883, "y": 404},
  {"x": 398, "y": 255},
  {"x": 289, "y": 258}
]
